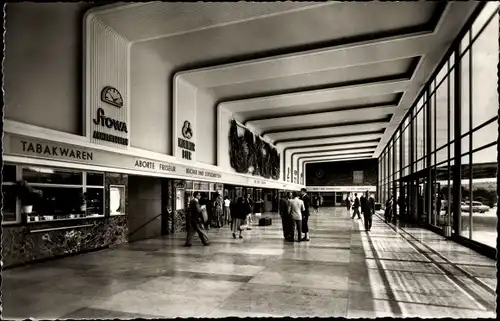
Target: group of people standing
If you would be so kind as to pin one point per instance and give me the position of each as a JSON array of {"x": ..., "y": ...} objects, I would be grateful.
[
  {"x": 223, "y": 211},
  {"x": 295, "y": 211},
  {"x": 367, "y": 206}
]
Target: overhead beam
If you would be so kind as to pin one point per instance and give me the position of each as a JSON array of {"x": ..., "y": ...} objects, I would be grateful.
[
  {"x": 314, "y": 118},
  {"x": 327, "y": 132},
  {"x": 324, "y": 147},
  {"x": 334, "y": 152},
  {"x": 337, "y": 157},
  {"x": 268, "y": 133},
  {"x": 342, "y": 56},
  {"x": 331, "y": 138},
  {"x": 316, "y": 96},
  {"x": 333, "y": 107}
]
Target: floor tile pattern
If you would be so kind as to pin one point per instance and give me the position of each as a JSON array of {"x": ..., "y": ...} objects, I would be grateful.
[{"x": 342, "y": 272}]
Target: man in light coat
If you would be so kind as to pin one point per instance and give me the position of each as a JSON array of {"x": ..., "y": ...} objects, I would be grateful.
[{"x": 296, "y": 208}]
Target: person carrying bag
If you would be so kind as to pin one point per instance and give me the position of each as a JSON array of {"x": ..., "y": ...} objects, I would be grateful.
[{"x": 194, "y": 221}]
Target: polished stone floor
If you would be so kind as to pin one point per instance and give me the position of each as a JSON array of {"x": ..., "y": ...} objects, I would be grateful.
[{"x": 342, "y": 272}]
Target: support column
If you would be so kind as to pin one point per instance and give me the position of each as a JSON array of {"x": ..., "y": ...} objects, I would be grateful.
[
  {"x": 428, "y": 161},
  {"x": 457, "y": 167}
]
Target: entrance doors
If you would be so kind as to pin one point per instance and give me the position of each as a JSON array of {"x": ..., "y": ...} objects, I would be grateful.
[
  {"x": 338, "y": 199},
  {"x": 415, "y": 200}
]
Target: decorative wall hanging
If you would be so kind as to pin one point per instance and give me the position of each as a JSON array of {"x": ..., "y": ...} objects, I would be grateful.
[{"x": 249, "y": 154}]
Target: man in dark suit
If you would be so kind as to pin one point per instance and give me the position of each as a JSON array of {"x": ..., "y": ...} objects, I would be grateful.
[
  {"x": 305, "y": 214},
  {"x": 368, "y": 210},
  {"x": 362, "y": 201},
  {"x": 194, "y": 221},
  {"x": 285, "y": 215}
]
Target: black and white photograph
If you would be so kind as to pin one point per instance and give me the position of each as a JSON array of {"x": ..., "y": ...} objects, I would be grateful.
[{"x": 271, "y": 159}]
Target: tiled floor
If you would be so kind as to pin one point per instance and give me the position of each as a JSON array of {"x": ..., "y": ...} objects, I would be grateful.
[{"x": 342, "y": 272}]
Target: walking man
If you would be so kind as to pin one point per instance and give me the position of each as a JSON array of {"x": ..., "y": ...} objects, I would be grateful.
[
  {"x": 194, "y": 221},
  {"x": 305, "y": 213},
  {"x": 355, "y": 207},
  {"x": 369, "y": 210},
  {"x": 296, "y": 207}
]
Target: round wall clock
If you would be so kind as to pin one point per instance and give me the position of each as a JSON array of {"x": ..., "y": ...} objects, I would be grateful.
[{"x": 112, "y": 96}]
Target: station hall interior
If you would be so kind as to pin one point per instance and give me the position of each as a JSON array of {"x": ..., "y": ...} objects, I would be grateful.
[{"x": 155, "y": 156}]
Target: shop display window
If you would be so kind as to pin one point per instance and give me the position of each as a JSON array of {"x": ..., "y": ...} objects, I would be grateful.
[
  {"x": 117, "y": 199},
  {"x": 56, "y": 194},
  {"x": 9, "y": 209}
]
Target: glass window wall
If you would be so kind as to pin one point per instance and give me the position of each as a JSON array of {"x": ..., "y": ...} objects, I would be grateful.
[{"x": 472, "y": 64}]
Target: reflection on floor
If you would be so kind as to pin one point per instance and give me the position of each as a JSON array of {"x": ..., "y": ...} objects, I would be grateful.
[{"x": 342, "y": 272}]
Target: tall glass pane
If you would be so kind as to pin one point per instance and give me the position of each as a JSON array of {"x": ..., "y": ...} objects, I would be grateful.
[
  {"x": 442, "y": 115},
  {"x": 484, "y": 75},
  {"x": 465, "y": 217},
  {"x": 420, "y": 134},
  {"x": 443, "y": 185},
  {"x": 451, "y": 112},
  {"x": 484, "y": 196},
  {"x": 465, "y": 94},
  {"x": 396, "y": 151},
  {"x": 431, "y": 107},
  {"x": 490, "y": 8},
  {"x": 485, "y": 135},
  {"x": 390, "y": 161}
]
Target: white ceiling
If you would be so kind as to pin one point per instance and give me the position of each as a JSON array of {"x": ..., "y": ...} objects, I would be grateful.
[{"x": 349, "y": 71}]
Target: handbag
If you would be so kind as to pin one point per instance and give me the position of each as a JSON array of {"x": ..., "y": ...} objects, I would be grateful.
[
  {"x": 204, "y": 214},
  {"x": 243, "y": 225}
]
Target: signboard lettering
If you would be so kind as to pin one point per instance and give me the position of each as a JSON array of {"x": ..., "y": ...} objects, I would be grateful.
[
  {"x": 214, "y": 175},
  {"x": 47, "y": 150},
  {"x": 57, "y": 151},
  {"x": 111, "y": 123},
  {"x": 187, "y": 148},
  {"x": 166, "y": 167},
  {"x": 186, "y": 154},
  {"x": 110, "y": 138},
  {"x": 144, "y": 164},
  {"x": 185, "y": 144},
  {"x": 108, "y": 122}
]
